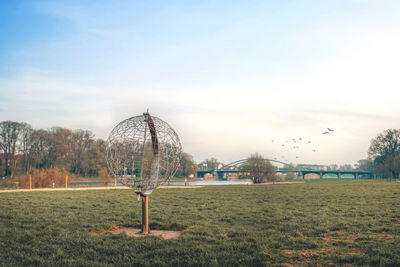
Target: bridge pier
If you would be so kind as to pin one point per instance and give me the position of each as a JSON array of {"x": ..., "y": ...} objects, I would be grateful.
[{"x": 320, "y": 175}]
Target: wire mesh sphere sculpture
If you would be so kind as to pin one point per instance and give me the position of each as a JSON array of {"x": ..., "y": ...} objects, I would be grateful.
[{"x": 143, "y": 152}]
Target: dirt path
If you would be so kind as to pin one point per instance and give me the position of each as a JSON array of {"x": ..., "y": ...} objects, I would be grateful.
[
  {"x": 121, "y": 187},
  {"x": 63, "y": 189},
  {"x": 91, "y": 188}
]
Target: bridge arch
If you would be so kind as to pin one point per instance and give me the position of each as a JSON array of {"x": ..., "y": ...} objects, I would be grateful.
[
  {"x": 237, "y": 163},
  {"x": 233, "y": 167}
]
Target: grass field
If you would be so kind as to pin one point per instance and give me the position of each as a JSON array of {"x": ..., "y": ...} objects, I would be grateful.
[{"x": 331, "y": 222}]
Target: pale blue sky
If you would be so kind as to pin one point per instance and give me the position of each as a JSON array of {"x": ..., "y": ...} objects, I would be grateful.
[{"x": 230, "y": 76}]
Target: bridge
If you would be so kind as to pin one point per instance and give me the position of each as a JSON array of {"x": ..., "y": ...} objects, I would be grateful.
[
  {"x": 321, "y": 173},
  {"x": 233, "y": 168}
]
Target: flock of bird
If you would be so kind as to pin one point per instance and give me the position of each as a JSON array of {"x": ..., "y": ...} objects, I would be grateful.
[
  {"x": 329, "y": 131},
  {"x": 297, "y": 141}
]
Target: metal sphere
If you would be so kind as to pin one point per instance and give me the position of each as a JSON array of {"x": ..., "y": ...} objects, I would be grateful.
[{"x": 143, "y": 152}]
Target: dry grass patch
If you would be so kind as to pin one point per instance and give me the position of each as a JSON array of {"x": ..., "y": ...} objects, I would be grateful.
[
  {"x": 382, "y": 236},
  {"x": 312, "y": 253},
  {"x": 100, "y": 232},
  {"x": 339, "y": 237},
  {"x": 355, "y": 251},
  {"x": 318, "y": 252},
  {"x": 289, "y": 253}
]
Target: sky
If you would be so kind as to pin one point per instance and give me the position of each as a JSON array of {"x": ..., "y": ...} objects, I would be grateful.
[{"x": 231, "y": 77}]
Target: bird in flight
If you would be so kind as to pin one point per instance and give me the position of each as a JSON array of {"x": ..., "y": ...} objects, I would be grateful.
[
  {"x": 314, "y": 150},
  {"x": 329, "y": 129},
  {"x": 326, "y": 133},
  {"x": 309, "y": 142},
  {"x": 294, "y": 140},
  {"x": 300, "y": 138}
]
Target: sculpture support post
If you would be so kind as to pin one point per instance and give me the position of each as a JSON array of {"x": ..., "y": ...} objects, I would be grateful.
[{"x": 145, "y": 214}]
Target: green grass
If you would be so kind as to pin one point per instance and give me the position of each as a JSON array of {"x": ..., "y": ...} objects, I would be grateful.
[{"x": 332, "y": 222}]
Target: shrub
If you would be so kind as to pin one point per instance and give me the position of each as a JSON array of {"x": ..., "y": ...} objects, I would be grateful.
[
  {"x": 45, "y": 178},
  {"x": 258, "y": 169}
]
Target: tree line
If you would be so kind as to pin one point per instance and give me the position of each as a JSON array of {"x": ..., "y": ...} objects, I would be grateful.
[
  {"x": 24, "y": 149},
  {"x": 384, "y": 154}
]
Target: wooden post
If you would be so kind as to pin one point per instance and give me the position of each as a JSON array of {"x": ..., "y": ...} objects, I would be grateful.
[
  {"x": 145, "y": 214},
  {"x": 115, "y": 180},
  {"x": 66, "y": 182},
  {"x": 30, "y": 182}
]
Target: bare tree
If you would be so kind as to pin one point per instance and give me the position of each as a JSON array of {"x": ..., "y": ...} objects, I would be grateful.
[
  {"x": 384, "y": 151},
  {"x": 39, "y": 150},
  {"x": 10, "y": 139},
  {"x": 364, "y": 165},
  {"x": 83, "y": 141},
  {"x": 385, "y": 144},
  {"x": 26, "y": 143},
  {"x": 187, "y": 165},
  {"x": 61, "y": 147},
  {"x": 258, "y": 169}
]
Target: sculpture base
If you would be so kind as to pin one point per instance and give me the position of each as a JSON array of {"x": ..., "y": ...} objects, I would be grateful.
[{"x": 136, "y": 232}]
